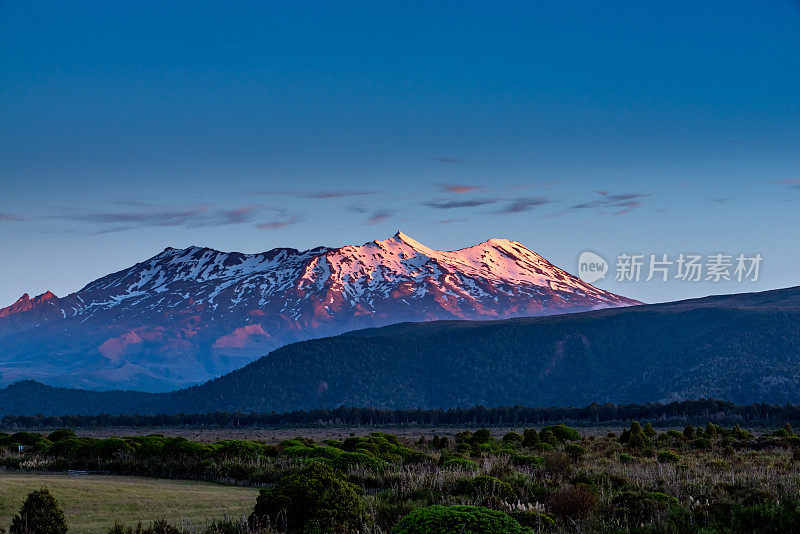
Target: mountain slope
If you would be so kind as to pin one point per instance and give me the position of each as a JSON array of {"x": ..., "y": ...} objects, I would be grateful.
[
  {"x": 743, "y": 348},
  {"x": 185, "y": 316}
]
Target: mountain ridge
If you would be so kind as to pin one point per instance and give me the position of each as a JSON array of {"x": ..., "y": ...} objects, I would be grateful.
[
  {"x": 187, "y": 315},
  {"x": 741, "y": 348}
]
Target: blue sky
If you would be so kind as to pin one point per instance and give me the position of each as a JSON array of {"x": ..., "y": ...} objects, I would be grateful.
[{"x": 658, "y": 127}]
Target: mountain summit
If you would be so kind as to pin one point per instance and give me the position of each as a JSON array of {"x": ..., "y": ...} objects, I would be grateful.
[{"x": 188, "y": 315}]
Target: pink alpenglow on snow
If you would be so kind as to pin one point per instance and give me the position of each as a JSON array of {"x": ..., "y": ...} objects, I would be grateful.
[{"x": 188, "y": 315}]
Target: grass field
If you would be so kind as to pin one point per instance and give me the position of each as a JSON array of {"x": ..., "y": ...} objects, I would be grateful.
[{"x": 92, "y": 503}]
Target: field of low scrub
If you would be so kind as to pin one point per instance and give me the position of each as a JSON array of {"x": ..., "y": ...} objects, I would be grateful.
[{"x": 708, "y": 479}]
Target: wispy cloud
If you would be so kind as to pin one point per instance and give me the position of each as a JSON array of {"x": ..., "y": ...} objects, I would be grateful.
[
  {"x": 451, "y": 204},
  {"x": 136, "y": 215},
  {"x": 379, "y": 217},
  {"x": 791, "y": 183},
  {"x": 320, "y": 194},
  {"x": 459, "y": 189},
  {"x": 12, "y": 217},
  {"x": 617, "y": 203},
  {"x": 445, "y": 159},
  {"x": 451, "y": 221},
  {"x": 524, "y": 204},
  {"x": 279, "y": 223}
]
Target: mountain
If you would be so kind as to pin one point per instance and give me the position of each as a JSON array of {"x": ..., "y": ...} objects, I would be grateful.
[
  {"x": 185, "y": 316},
  {"x": 742, "y": 348}
]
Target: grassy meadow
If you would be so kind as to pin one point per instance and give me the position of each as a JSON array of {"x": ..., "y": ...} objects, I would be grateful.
[{"x": 93, "y": 503}]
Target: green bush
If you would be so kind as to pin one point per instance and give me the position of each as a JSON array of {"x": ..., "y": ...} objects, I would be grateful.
[
  {"x": 40, "y": 514},
  {"x": 530, "y": 437},
  {"x": 575, "y": 451},
  {"x": 458, "y": 520},
  {"x": 631, "y": 508},
  {"x": 563, "y": 432},
  {"x": 22, "y": 438},
  {"x": 111, "y": 447},
  {"x": 458, "y": 461},
  {"x": 61, "y": 433},
  {"x": 668, "y": 457},
  {"x": 313, "y": 498},
  {"x": 533, "y": 519}
]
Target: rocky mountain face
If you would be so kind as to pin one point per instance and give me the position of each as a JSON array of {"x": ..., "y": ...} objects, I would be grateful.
[
  {"x": 741, "y": 348},
  {"x": 187, "y": 315}
]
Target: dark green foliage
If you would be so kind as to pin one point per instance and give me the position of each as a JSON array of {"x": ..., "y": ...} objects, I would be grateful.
[
  {"x": 649, "y": 431},
  {"x": 481, "y": 436},
  {"x": 489, "y": 491},
  {"x": 458, "y": 461},
  {"x": 537, "y": 521},
  {"x": 634, "y": 437},
  {"x": 458, "y": 520},
  {"x": 547, "y": 437},
  {"x": 632, "y": 508},
  {"x": 563, "y": 433},
  {"x": 668, "y": 457},
  {"x": 530, "y": 437},
  {"x": 111, "y": 447},
  {"x": 60, "y": 434},
  {"x": 314, "y": 497},
  {"x": 768, "y": 518},
  {"x": 40, "y": 514},
  {"x": 575, "y": 451},
  {"x": 22, "y": 438},
  {"x": 573, "y": 501},
  {"x": 512, "y": 437},
  {"x": 160, "y": 526}
]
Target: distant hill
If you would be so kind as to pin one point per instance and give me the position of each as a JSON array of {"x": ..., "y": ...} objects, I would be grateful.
[
  {"x": 743, "y": 348},
  {"x": 185, "y": 316}
]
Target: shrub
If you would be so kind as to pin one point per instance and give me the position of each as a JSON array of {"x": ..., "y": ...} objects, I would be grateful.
[
  {"x": 563, "y": 432},
  {"x": 458, "y": 461},
  {"x": 533, "y": 519},
  {"x": 512, "y": 437},
  {"x": 575, "y": 451},
  {"x": 649, "y": 431},
  {"x": 546, "y": 437},
  {"x": 633, "y": 508},
  {"x": 530, "y": 437},
  {"x": 481, "y": 436},
  {"x": 458, "y": 520},
  {"x": 23, "y": 438},
  {"x": 668, "y": 457},
  {"x": 111, "y": 447},
  {"x": 575, "y": 501},
  {"x": 40, "y": 514},
  {"x": 61, "y": 433},
  {"x": 312, "y": 498}
]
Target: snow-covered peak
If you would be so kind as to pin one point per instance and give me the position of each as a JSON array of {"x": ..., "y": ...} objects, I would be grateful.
[{"x": 187, "y": 315}]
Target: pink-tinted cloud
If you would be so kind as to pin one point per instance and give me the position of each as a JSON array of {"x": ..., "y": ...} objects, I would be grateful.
[{"x": 459, "y": 189}]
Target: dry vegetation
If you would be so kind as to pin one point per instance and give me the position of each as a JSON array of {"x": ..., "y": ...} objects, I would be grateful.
[{"x": 709, "y": 479}]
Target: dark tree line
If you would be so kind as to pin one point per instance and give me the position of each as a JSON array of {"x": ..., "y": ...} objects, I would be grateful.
[{"x": 696, "y": 411}]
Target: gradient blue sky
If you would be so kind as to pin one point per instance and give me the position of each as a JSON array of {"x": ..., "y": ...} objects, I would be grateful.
[{"x": 650, "y": 127}]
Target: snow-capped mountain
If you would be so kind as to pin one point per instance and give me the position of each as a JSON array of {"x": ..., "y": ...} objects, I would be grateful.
[{"x": 188, "y": 315}]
